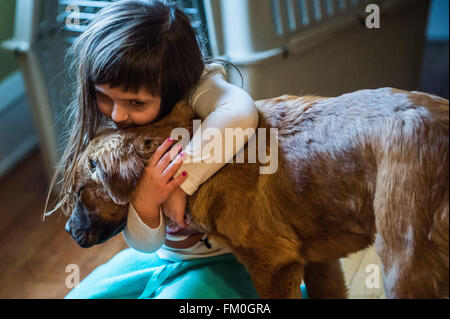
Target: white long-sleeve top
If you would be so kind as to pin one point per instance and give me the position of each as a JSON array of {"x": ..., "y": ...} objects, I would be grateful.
[{"x": 220, "y": 105}]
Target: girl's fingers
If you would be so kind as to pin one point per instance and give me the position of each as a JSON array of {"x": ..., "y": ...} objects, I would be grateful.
[
  {"x": 168, "y": 173},
  {"x": 167, "y": 158},
  {"x": 177, "y": 181},
  {"x": 160, "y": 152}
]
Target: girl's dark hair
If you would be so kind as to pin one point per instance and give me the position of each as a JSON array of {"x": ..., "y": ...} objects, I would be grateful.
[
  {"x": 146, "y": 43},
  {"x": 132, "y": 44}
]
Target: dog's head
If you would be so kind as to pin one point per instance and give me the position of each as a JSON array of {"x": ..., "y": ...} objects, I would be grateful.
[
  {"x": 106, "y": 175},
  {"x": 105, "y": 178}
]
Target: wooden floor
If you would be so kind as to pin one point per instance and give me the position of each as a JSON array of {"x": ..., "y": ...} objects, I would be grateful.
[{"x": 34, "y": 253}]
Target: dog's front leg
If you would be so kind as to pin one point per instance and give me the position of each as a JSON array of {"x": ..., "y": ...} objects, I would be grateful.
[
  {"x": 273, "y": 276},
  {"x": 278, "y": 283},
  {"x": 325, "y": 280}
]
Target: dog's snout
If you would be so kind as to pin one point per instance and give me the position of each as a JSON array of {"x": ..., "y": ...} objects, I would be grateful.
[
  {"x": 81, "y": 216},
  {"x": 67, "y": 228},
  {"x": 79, "y": 220}
]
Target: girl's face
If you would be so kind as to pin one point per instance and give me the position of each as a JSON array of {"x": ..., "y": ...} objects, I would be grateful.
[{"x": 127, "y": 109}]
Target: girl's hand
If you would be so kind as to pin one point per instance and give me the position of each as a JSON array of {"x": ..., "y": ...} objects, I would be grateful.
[
  {"x": 175, "y": 206},
  {"x": 156, "y": 183}
]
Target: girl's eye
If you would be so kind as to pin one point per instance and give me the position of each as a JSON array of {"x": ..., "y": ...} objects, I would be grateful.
[{"x": 137, "y": 103}]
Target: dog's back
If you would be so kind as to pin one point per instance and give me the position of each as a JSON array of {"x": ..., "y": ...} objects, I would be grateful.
[{"x": 368, "y": 165}]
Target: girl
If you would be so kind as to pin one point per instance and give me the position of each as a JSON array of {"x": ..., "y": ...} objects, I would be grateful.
[{"x": 136, "y": 60}]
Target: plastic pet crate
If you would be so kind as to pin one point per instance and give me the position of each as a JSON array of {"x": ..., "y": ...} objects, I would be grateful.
[{"x": 318, "y": 46}]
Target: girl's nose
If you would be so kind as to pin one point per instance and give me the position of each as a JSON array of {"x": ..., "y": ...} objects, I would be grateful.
[{"x": 118, "y": 114}]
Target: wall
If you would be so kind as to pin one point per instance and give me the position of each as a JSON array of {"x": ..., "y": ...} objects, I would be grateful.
[
  {"x": 436, "y": 56},
  {"x": 438, "y": 26}
]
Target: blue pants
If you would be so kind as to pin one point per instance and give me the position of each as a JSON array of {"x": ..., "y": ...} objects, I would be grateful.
[{"x": 131, "y": 275}]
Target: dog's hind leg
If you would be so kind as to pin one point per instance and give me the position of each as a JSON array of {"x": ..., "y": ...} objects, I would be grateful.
[
  {"x": 325, "y": 280},
  {"x": 412, "y": 217},
  {"x": 276, "y": 275},
  {"x": 417, "y": 267}
]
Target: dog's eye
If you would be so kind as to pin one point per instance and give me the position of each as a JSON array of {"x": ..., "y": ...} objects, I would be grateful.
[{"x": 92, "y": 164}]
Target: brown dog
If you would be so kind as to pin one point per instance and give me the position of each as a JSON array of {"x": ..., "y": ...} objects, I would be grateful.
[{"x": 366, "y": 167}]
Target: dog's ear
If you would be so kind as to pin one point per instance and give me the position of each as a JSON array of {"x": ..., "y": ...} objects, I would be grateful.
[{"x": 118, "y": 167}]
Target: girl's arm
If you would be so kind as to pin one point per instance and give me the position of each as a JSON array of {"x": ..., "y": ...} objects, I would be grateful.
[
  {"x": 145, "y": 230},
  {"x": 220, "y": 105},
  {"x": 142, "y": 237}
]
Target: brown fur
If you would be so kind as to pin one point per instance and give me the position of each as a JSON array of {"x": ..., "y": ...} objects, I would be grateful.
[{"x": 366, "y": 167}]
